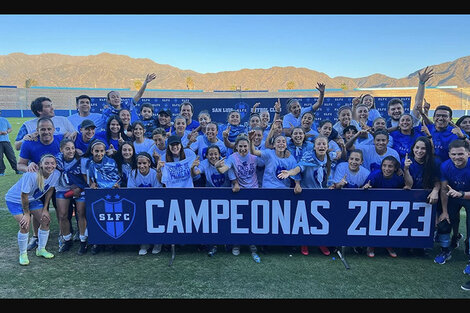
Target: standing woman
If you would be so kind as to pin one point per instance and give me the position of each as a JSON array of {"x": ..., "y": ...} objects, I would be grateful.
[
  {"x": 141, "y": 143},
  {"x": 178, "y": 167},
  {"x": 113, "y": 135},
  {"x": 314, "y": 169},
  {"x": 243, "y": 164},
  {"x": 126, "y": 160},
  {"x": 23, "y": 199},
  {"x": 71, "y": 185},
  {"x": 143, "y": 175},
  {"x": 406, "y": 134}
]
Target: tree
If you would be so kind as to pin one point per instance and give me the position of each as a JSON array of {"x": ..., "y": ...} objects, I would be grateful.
[
  {"x": 290, "y": 85},
  {"x": 30, "y": 82},
  {"x": 189, "y": 83}
]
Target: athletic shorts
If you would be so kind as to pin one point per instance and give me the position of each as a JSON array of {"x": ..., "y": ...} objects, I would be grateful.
[
  {"x": 16, "y": 208},
  {"x": 61, "y": 195}
]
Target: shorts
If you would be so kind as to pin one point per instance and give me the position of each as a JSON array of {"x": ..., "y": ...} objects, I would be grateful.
[
  {"x": 17, "y": 208},
  {"x": 61, "y": 195}
]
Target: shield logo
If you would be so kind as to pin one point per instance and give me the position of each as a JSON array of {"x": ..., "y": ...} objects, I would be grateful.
[{"x": 114, "y": 218}]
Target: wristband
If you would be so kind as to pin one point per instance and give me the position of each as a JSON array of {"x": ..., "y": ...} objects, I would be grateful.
[{"x": 463, "y": 194}]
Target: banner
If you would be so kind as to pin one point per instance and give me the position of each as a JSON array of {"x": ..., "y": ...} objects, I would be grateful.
[
  {"x": 316, "y": 217},
  {"x": 219, "y": 108}
]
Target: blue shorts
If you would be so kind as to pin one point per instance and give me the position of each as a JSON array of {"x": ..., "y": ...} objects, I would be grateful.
[
  {"x": 17, "y": 208},
  {"x": 61, "y": 195}
]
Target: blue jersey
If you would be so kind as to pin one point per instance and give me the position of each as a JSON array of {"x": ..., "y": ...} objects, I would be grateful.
[
  {"x": 136, "y": 179},
  {"x": 213, "y": 177},
  {"x": 149, "y": 126},
  {"x": 34, "y": 150},
  {"x": 441, "y": 140},
  {"x": 417, "y": 173},
  {"x": 354, "y": 179},
  {"x": 372, "y": 160},
  {"x": 402, "y": 143},
  {"x": 377, "y": 180},
  {"x": 457, "y": 178},
  {"x": 273, "y": 167}
]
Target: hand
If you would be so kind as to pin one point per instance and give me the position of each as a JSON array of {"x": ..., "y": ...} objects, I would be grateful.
[
  {"x": 367, "y": 185},
  {"x": 425, "y": 75},
  {"x": 453, "y": 193},
  {"x": 283, "y": 174},
  {"x": 433, "y": 197},
  {"x": 24, "y": 222},
  {"x": 407, "y": 162},
  {"x": 150, "y": 77},
  {"x": 321, "y": 87}
]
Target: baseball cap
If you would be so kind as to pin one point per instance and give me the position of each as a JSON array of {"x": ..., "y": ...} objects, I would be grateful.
[
  {"x": 163, "y": 111},
  {"x": 173, "y": 139},
  {"x": 87, "y": 123}
]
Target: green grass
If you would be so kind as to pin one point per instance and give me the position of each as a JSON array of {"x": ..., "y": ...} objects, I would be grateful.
[{"x": 193, "y": 275}]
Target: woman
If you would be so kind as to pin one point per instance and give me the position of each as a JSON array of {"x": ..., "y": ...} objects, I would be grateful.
[
  {"x": 406, "y": 134},
  {"x": 113, "y": 135},
  {"x": 23, "y": 200},
  {"x": 350, "y": 174},
  {"x": 143, "y": 175},
  {"x": 275, "y": 161},
  {"x": 243, "y": 164},
  {"x": 177, "y": 169},
  {"x": 209, "y": 138},
  {"x": 141, "y": 143},
  {"x": 71, "y": 185},
  {"x": 125, "y": 160},
  {"x": 314, "y": 169}
]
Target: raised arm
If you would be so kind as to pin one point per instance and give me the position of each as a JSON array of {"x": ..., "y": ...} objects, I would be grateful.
[
  {"x": 423, "y": 78},
  {"x": 140, "y": 93}
]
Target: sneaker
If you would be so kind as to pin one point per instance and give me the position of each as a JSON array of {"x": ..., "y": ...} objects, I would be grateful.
[
  {"x": 83, "y": 248},
  {"x": 24, "y": 259},
  {"x": 467, "y": 269},
  {"x": 256, "y": 257},
  {"x": 466, "y": 286},
  {"x": 325, "y": 250},
  {"x": 304, "y": 250},
  {"x": 143, "y": 249},
  {"x": 42, "y": 252},
  {"x": 66, "y": 245},
  {"x": 2, "y": 174},
  {"x": 212, "y": 251},
  {"x": 391, "y": 252},
  {"x": 33, "y": 243},
  {"x": 236, "y": 250},
  {"x": 370, "y": 252},
  {"x": 442, "y": 257},
  {"x": 156, "y": 249}
]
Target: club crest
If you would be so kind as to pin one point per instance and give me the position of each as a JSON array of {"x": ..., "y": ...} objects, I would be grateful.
[{"x": 113, "y": 214}]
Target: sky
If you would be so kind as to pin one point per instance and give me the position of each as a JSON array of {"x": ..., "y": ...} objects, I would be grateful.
[{"x": 350, "y": 45}]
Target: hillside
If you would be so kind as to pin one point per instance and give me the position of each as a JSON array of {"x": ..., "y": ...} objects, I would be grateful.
[{"x": 107, "y": 70}]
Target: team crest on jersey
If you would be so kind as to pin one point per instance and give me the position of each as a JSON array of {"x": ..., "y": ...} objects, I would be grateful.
[{"x": 114, "y": 214}]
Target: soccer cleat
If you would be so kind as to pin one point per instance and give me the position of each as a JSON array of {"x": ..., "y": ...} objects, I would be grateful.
[
  {"x": 83, "y": 247},
  {"x": 24, "y": 259},
  {"x": 325, "y": 250},
  {"x": 304, "y": 250},
  {"x": 157, "y": 249},
  {"x": 33, "y": 243},
  {"x": 442, "y": 257},
  {"x": 466, "y": 270},
  {"x": 212, "y": 251},
  {"x": 466, "y": 286},
  {"x": 256, "y": 257},
  {"x": 44, "y": 253},
  {"x": 65, "y": 246},
  {"x": 236, "y": 250},
  {"x": 391, "y": 252},
  {"x": 370, "y": 252}
]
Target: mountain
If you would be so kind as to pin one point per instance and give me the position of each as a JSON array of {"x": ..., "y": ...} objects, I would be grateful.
[{"x": 107, "y": 70}]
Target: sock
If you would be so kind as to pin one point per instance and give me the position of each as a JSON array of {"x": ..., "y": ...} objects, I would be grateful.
[
  {"x": 83, "y": 238},
  {"x": 23, "y": 241},
  {"x": 67, "y": 237},
  {"x": 43, "y": 236}
]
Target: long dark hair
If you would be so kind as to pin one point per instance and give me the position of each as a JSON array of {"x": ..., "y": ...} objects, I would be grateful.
[
  {"x": 121, "y": 131},
  {"x": 120, "y": 159},
  {"x": 429, "y": 166}
]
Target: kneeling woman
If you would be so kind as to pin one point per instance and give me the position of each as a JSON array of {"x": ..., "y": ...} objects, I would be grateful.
[{"x": 23, "y": 200}]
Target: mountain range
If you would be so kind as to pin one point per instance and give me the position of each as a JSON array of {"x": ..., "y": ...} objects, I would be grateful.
[{"x": 107, "y": 70}]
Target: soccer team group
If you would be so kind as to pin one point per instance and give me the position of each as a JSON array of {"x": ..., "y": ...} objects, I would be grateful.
[{"x": 125, "y": 147}]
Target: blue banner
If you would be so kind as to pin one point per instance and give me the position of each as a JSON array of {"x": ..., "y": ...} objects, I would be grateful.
[
  {"x": 219, "y": 108},
  {"x": 316, "y": 217}
]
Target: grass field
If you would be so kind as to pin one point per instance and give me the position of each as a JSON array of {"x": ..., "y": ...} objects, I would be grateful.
[{"x": 281, "y": 274}]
